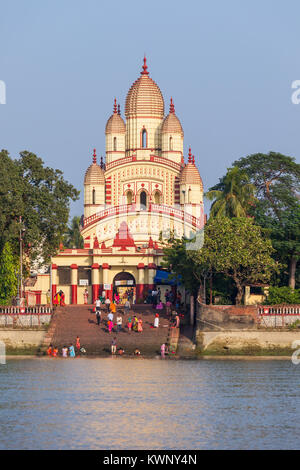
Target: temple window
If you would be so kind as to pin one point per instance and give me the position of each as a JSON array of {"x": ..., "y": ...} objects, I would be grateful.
[
  {"x": 170, "y": 143},
  {"x": 129, "y": 197},
  {"x": 157, "y": 197},
  {"x": 144, "y": 138},
  {"x": 143, "y": 200},
  {"x": 94, "y": 196},
  {"x": 115, "y": 144}
]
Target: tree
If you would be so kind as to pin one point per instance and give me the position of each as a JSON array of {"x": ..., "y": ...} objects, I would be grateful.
[
  {"x": 238, "y": 249},
  {"x": 277, "y": 181},
  {"x": 8, "y": 277},
  {"x": 282, "y": 295},
  {"x": 39, "y": 195},
  {"x": 73, "y": 238},
  {"x": 233, "y": 196},
  {"x": 181, "y": 261}
]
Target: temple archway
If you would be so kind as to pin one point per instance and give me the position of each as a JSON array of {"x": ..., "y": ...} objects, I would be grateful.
[{"x": 124, "y": 287}]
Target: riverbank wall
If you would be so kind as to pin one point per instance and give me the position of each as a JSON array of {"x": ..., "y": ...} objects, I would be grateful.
[
  {"x": 22, "y": 341},
  {"x": 246, "y": 330}
]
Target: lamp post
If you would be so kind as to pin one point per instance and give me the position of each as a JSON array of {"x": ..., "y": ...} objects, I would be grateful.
[{"x": 22, "y": 229}]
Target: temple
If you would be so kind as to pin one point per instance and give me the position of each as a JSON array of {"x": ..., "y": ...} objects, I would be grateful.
[{"x": 133, "y": 202}]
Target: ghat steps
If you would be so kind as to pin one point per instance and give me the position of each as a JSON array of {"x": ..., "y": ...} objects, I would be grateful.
[{"x": 70, "y": 321}]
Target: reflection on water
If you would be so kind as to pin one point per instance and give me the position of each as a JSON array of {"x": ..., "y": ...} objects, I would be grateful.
[{"x": 120, "y": 403}]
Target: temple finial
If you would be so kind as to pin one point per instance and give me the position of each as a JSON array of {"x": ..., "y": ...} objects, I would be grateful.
[
  {"x": 145, "y": 72},
  {"x": 94, "y": 156},
  {"x": 172, "y": 107},
  {"x": 115, "y": 106},
  {"x": 190, "y": 155},
  {"x": 119, "y": 110},
  {"x": 193, "y": 160},
  {"x": 101, "y": 162}
]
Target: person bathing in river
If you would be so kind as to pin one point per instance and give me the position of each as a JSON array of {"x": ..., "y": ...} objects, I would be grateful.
[{"x": 71, "y": 351}]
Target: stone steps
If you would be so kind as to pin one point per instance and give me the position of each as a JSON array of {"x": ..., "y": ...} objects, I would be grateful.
[{"x": 69, "y": 322}]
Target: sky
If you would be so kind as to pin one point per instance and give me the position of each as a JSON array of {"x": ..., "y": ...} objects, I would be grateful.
[{"x": 229, "y": 67}]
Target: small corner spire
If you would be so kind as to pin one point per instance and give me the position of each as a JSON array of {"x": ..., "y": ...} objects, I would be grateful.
[
  {"x": 172, "y": 107},
  {"x": 193, "y": 160},
  {"x": 145, "y": 67},
  {"x": 119, "y": 110},
  {"x": 115, "y": 106},
  {"x": 190, "y": 155},
  {"x": 94, "y": 156}
]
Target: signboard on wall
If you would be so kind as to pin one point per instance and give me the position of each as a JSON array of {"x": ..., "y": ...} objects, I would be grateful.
[
  {"x": 128, "y": 282},
  {"x": 107, "y": 286},
  {"x": 83, "y": 282}
]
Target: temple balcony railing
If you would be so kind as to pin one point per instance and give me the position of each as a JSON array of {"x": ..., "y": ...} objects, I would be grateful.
[
  {"x": 131, "y": 209},
  {"x": 153, "y": 158}
]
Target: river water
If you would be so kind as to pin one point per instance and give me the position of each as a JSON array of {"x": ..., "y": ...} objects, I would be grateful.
[{"x": 119, "y": 403}]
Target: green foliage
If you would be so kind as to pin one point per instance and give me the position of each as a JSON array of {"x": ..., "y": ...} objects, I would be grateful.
[
  {"x": 238, "y": 249},
  {"x": 41, "y": 197},
  {"x": 8, "y": 277},
  {"x": 234, "y": 248},
  {"x": 177, "y": 258},
  {"x": 73, "y": 238},
  {"x": 277, "y": 181},
  {"x": 282, "y": 295},
  {"x": 233, "y": 196},
  {"x": 294, "y": 325}
]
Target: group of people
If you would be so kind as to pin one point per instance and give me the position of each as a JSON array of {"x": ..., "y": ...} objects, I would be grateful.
[
  {"x": 52, "y": 351},
  {"x": 120, "y": 351},
  {"x": 127, "y": 297},
  {"x": 133, "y": 323}
]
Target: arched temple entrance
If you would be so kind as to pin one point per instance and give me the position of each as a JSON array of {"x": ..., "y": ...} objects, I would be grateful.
[{"x": 124, "y": 285}]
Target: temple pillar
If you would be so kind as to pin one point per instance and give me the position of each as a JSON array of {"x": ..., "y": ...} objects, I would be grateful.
[
  {"x": 140, "y": 287},
  {"x": 151, "y": 275},
  {"x": 74, "y": 282},
  {"x": 54, "y": 280},
  {"x": 108, "y": 292},
  {"x": 95, "y": 282}
]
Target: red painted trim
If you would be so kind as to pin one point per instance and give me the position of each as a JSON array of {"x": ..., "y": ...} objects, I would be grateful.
[
  {"x": 151, "y": 266},
  {"x": 74, "y": 294},
  {"x": 95, "y": 291},
  {"x": 74, "y": 266},
  {"x": 53, "y": 292},
  {"x": 140, "y": 291},
  {"x": 95, "y": 266},
  {"x": 105, "y": 266},
  {"x": 141, "y": 266},
  {"x": 54, "y": 266}
]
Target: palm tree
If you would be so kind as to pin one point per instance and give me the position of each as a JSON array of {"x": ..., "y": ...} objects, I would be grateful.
[
  {"x": 73, "y": 238},
  {"x": 233, "y": 196}
]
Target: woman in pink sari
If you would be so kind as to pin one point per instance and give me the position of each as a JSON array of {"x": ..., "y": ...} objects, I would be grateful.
[{"x": 110, "y": 325}]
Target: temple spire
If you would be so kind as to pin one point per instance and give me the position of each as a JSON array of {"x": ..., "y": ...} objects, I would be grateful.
[
  {"x": 190, "y": 155},
  {"x": 172, "y": 107},
  {"x": 94, "y": 156},
  {"x": 145, "y": 72},
  {"x": 119, "y": 110},
  {"x": 115, "y": 106}
]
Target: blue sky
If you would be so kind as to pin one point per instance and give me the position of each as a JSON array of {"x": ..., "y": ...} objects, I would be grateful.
[{"x": 228, "y": 65}]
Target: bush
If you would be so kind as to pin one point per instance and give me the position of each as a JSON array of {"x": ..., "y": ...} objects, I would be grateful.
[{"x": 282, "y": 295}]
